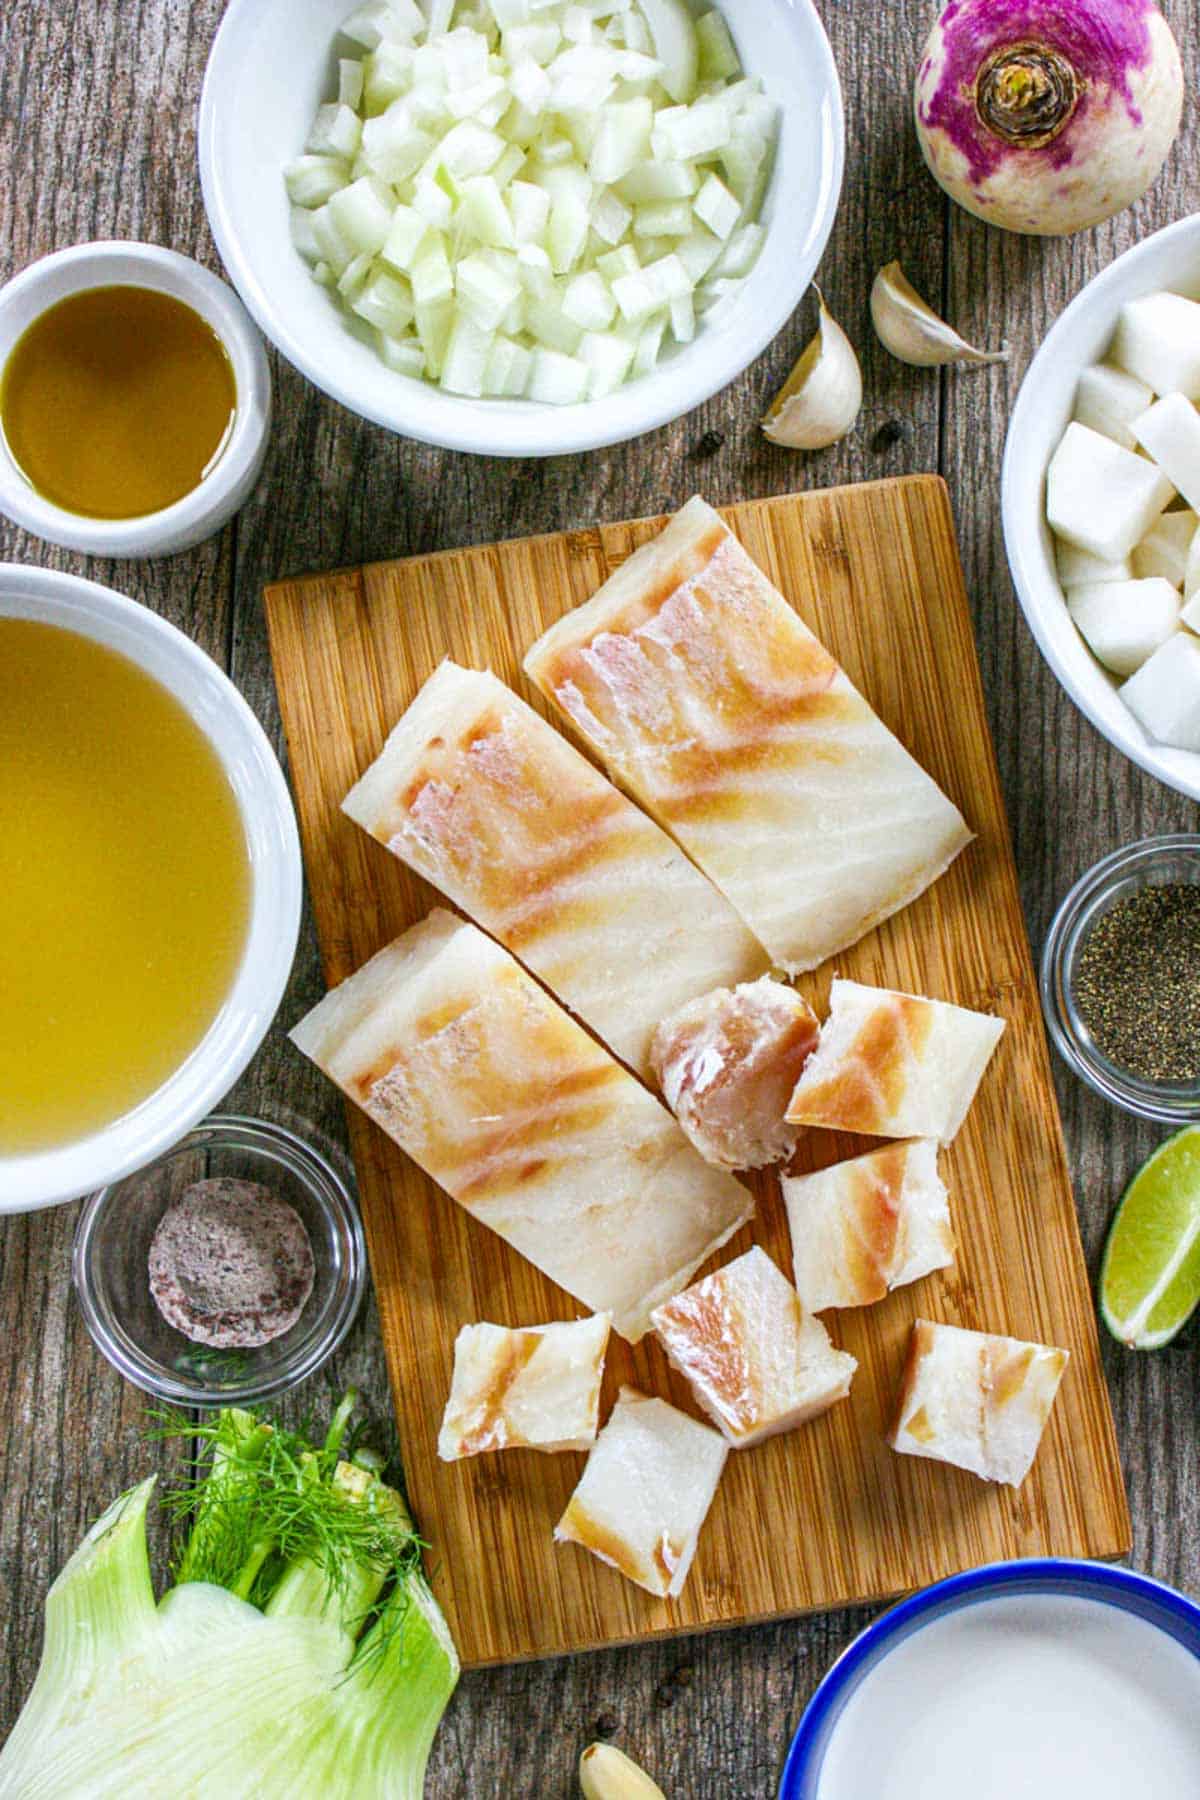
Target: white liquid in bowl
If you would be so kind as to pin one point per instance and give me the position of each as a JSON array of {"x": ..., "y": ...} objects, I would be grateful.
[{"x": 1024, "y": 1697}]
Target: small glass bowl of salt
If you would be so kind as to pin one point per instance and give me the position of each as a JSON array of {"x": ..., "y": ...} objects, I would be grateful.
[
  {"x": 227, "y": 1271},
  {"x": 1121, "y": 978}
]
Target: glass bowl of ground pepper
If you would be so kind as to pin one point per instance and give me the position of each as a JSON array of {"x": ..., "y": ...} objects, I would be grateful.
[
  {"x": 1121, "y": 978},
  {"x": 228, "y": 1270}
]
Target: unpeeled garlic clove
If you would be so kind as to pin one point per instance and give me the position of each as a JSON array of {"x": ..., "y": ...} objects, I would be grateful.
[
  {"x": 912, "y": 331},
  {"x": 822, "y": 397},
  {"x": 606, "y": 1773}
]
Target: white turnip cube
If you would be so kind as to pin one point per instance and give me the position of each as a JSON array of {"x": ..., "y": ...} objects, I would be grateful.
[
  {"x": 1100, "y": 497},
  {"x": 1108, "y": 400},
  {"x": 1079, "y": 568},
  {"x": 1165, "y": 548},
  {"x": 1170, "y": 432},
  {"x": 1164, "y": 695},
  {"x": 1190, "y": 614},
  {"x": 1191, "y": 574},
  {"x": 1124, "y": 622},
  {"x": 1158, "y": 340}
]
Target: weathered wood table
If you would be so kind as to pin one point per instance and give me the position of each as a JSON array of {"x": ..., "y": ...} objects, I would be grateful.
[{"x": 97, "y": 127}]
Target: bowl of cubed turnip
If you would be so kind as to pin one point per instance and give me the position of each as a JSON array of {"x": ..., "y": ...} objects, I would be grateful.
[
  {"x": 521, "y": 227},
  {"x": 1101, "y": 502}
]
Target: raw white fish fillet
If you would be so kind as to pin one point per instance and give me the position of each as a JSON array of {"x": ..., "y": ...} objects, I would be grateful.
[
  {"x": 477, "y": 793},
  {"x": 758, "y": 1363},
  {"x": 894, "y": 1065},
  {"x": 709, "y": 700},
  {"x": 645, "y": 1492},
  {"x": 524, "y": 1119},
  {"x": 978, "y": 1401},
  {"x": 537, "y": 1388},
  {"x": 728, "y": 1063},
  {"x": 866, "y": 1226}
]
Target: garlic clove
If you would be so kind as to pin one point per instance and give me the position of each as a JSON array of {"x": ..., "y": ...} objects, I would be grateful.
[
  {"x": 912, "y": 331},
  {"x": 822, "y": 397},
  {"x": 606, "y": 1773}
]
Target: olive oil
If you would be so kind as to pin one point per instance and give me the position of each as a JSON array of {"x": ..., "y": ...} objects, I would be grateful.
[
  {"x": 124, "y": 885},
  {"x": 116, "y": 401}
]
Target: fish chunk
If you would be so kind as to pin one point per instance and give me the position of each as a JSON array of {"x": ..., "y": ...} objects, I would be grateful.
[
  {"x": 533, "y": 1389},
  {"x": 757, "y": 1362},
  {"x": 704, "y": 694},
  {"x": 977, "y": 1401},
  {"x": 525, "y": 1120},
  {"x": 478, "y": 794},
  {"x": 894, "y": 1065},
  {"x": 868, "y": 1225},
  {"x": 645, "y": 1492},
  {"x": 727, "y": 1065}
]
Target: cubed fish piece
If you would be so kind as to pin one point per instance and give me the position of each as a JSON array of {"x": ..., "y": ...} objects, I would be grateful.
[
  {"x": 974, "y": 1400},
  {"x": 645, "y": 1493},
  {"x": 478, "y": 794},
  {"x": 1100, "y": 497},
  {"x": 709, "y": 700},
  {"x": 1164, "y": 695},
  {"x": 728, "y": 1064},
  {"x": 1158, "y": 340},
  {"x": 537, "y": 1388},
  {"x": 1165, "y": 548},
  {"x": 866, "y": 1226},
  {"x": 525, "y": 1120},
  {"x": 1108, "y": 400},
  {"x": 1124, "y": 622},
  {"x": 894, "y": 1065},
  {"x": 757, "y": 1361}
]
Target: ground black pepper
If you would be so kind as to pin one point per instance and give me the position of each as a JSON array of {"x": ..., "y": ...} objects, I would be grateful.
[{"x": 1137, "y": 987}]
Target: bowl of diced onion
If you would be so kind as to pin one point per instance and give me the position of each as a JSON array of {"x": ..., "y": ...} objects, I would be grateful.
[
  {"x": 521, "y": 227},
  {"x": 1101, "y": 503}
]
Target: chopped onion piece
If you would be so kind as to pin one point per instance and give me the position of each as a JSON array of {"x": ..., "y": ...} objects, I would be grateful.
[{"x": 557, "y": 379}]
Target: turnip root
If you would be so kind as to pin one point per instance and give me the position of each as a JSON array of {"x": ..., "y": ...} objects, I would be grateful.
[
  {"x": 1164, "y": 695},
  {"x": 1079, "y": 568},
  {"x": 1158, "y": 340},
  {"x": 1124, "y": 622},
  {"x": 1101, "y": 498},
  {"x": 1170, "y": 433},
  {"x": 1109, "y": 400},
  {"x": 1046, "y": 116},
  {"x": 1164, "y": 549}
]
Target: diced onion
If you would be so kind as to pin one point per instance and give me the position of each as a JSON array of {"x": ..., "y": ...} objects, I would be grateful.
[{"x": 530, "y": 199}]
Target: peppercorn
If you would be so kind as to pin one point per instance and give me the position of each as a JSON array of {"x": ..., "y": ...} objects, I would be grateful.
[{"x": 1137, "y": 987}]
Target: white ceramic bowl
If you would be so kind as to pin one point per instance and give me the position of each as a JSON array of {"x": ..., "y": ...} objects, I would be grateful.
[
  {"x": 271, "y": 66},
  {"x": 1169, "y": 259},
  {"x": 50, "y": 1176},
  {"x": 229, "y": 483}
]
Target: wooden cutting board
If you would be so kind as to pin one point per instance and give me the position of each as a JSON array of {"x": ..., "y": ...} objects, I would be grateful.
[{"x": 827, "y": 1515}]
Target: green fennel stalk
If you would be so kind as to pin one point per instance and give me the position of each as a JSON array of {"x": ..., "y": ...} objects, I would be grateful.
[{"x": 298, "y": 1652}]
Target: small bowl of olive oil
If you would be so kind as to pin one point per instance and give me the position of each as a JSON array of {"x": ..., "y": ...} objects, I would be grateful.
[{"x": 135, "y": 400}]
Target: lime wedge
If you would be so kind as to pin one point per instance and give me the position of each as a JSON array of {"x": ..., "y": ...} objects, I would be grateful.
[{"x": 1150, "y": 1277}]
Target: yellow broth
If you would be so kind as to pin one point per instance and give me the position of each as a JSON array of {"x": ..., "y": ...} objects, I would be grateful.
[
  {"x": 124, "y": 885},
  {"x": 116, "y": 401}
]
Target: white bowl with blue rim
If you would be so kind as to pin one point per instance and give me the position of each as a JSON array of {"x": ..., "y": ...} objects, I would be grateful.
[{"x": 1039, "y": 1680}]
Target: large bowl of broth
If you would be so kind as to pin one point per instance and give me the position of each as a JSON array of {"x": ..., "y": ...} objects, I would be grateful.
[{"x": 150, "y": 886}]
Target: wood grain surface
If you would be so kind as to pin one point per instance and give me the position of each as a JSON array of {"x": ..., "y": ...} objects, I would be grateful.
[
  {"x": 97, "y": 138},
  {"x": 874, "y": 571}
]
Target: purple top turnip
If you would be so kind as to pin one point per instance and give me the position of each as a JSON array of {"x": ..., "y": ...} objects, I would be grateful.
[{"x": 1046, "y": 116}]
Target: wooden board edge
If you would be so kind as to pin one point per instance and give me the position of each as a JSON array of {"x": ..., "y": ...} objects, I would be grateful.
[{"x": 274, "y": 592}]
